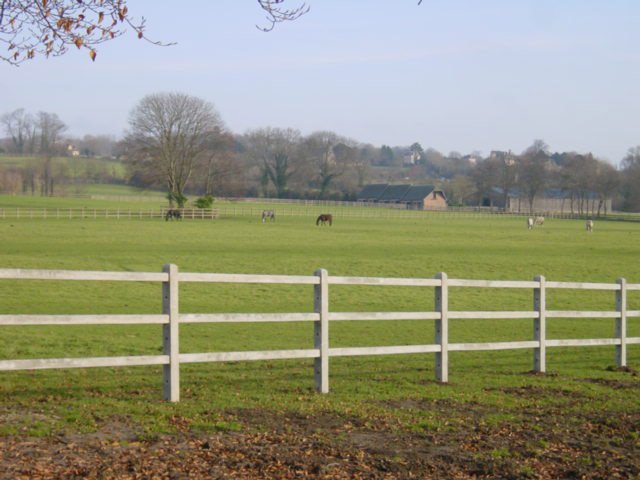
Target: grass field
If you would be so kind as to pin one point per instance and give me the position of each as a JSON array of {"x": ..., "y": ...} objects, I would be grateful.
[{"x": 486, "y": 388}]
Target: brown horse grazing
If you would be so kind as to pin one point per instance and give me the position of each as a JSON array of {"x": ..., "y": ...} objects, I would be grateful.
[{"x": 324, "y": 218}]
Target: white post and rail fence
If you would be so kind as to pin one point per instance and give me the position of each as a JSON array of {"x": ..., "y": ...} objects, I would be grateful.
[{"x": 171, "y": 319}]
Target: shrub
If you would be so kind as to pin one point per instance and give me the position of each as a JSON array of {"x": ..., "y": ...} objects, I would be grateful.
[{"x": 204, "y": 202}]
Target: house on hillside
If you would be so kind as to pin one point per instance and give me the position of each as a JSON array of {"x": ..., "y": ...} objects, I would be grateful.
[{"x": 415, "y": 197}]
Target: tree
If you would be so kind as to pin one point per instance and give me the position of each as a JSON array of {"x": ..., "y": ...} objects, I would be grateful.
[
  {"x": 49, "y": 129},
  {"x": 631, "y": 175},
  {"x": 218, "y": 163},
  {"x": 169, "y": 133},
  {"x": 321, "y": 148},
  {"x": 532, "y": 170},
  {"x": 484, "y": 177},
  {"x": 275, "y": 149},
  {"x": 459, "y": 189},
  {"x": 606, "y": 184},
  {"x": 20, "y": 127},
  {"x": 387, "y": 157}
]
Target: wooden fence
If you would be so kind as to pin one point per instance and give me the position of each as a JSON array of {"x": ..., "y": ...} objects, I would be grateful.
[{"x": 171, "y": 319}]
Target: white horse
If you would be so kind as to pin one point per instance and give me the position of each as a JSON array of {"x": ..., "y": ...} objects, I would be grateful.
[
  {"x": 589, "y": 225},
  {"x": 270, "y": 214},
  {"x": 530, "y": 223}
]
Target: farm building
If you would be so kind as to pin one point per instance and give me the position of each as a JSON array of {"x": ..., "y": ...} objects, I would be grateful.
[{"x": 416, "y": 197}]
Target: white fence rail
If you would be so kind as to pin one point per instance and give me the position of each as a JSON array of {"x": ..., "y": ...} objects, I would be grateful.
[
  {"x": 171, "y": 319},
  {"x": 110, "y": 213}
]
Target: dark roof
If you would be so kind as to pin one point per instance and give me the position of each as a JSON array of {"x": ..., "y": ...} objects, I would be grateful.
[
  {"x": 372, "y": 192},
  {"x": 394, "y": 193},
  {"x": 417, "y": 193}
]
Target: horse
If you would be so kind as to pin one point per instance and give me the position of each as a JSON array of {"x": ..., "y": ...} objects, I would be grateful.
[
  {"x": 324, "y": 218},
  {"x": 270, "y": 214},
  {"x": 539, "y": 220},
  {"x": 530, "y": 223},
  {"x": 173, "y": 213},
  {"x": 589, "y": 225}
]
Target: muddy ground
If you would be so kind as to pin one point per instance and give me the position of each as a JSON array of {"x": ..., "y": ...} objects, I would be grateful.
[
  {"x": 541, "y": 443},
  {"x": 421, "y": 439}
]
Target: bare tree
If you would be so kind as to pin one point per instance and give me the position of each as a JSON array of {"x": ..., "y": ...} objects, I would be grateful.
[
  {"x": 606, "y": 184},
  {"x": 169, "y": 132},
  {"x": 484, "y": 177},
  {"x": 631, "y": 179},
  {"x": 532, "y": 170},
  {"x": 49, "y": 129},
  {"x": 459, "y": 189},
  {"x": 276, "y": 150},
  {"x": 20, "y": 127},
  {"x": 218, "y": 162},
  {"x": 320, "y": 147}
]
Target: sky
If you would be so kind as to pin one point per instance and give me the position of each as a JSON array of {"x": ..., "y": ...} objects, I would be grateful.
[{"x": 454, "y": 75}]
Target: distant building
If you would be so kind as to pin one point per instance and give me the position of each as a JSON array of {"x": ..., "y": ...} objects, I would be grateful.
[
  {"x": 410, "y": 158},
  {"x": 73, "y": 151},
  {"x": 416, "y": 197},
  {"x": 556, "y": 200},
  {"x": 507, "y": 157}
]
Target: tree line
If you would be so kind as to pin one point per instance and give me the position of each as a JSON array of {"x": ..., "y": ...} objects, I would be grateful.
[{"x": 179, "y": 144}]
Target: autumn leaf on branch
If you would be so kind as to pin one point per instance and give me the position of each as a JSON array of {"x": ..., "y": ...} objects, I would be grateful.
[{"x": 49, "y": 27}]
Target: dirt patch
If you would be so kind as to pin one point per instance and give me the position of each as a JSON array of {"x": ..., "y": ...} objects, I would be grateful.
[
  {"x": 615, "y": 384},
  {"x": 536, "y": 392},
  {"x": 271, "y": 445}
]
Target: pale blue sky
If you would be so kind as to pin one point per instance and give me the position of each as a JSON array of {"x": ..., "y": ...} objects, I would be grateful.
[{"x": 451, "y": 74}]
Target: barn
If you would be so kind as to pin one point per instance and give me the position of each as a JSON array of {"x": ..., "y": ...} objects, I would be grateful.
[{"x": 415, "y": 197}]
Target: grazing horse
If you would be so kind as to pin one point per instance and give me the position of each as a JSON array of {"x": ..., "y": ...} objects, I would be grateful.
[
  {"x": 173, "y": 213},
  {"x": 530, "y": 223},
  {"x": 324, "y": 218},
  {"x": 270, "y": 214},
  {"x": 589, "y": 225}
]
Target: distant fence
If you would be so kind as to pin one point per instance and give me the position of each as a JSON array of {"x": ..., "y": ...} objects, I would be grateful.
[
  {"x": 238, "y": 209},
  {"x": 171, "y": 319},
  {"x": 112, "y": 213}
]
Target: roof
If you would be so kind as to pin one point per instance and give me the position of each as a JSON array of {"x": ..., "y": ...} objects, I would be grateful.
[
  {"x": 372, "y": 192},
  {"x": 417, "y": 193},
  {"x": 383, "y": 192},
  {"x": 394, "y": 193}
]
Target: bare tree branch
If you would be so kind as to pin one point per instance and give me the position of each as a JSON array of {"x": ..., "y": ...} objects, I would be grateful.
[
  {"x": 277, "y": 14},
  {"x": 51, "y": 27}
]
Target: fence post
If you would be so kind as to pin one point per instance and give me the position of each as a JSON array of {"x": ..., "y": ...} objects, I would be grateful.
[
  {"x": 621, "y": 323},
  {"x": 170, "y": 334},
  {"x": 540, "y": 325},
  {"x": 321, "y": 331},
  {"x": 442, "y": 328}
]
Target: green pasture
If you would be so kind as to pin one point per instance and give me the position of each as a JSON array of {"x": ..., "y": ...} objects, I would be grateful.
[
  {"x": 72, "y": 167},
  {"x": 464, "y": 246}
]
